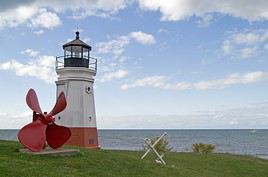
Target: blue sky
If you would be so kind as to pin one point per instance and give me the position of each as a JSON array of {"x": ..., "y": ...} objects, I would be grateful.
[{"x": 162, "y": 64}]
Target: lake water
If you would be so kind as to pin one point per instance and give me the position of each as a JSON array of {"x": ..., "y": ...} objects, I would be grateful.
[{"x": 252, "y": 142}]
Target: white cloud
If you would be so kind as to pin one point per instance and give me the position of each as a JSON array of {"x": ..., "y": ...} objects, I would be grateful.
[
  {"x": 205, "y": 20},
  {"x": 164, "y": 31},
  {"x": 21, "y": 12},
  {"x": 115, "y": 46},
  {"x": 100, "y": 8},
  {"x": 248, "y": 52},
  {"x": 46, "y": 19},
  {"x": 42, "y": 68},
  {"x": 151, "y": 81},
  {"x": 17, "y": 16},
  {"x": 227, "y": 47},
  {"x": 233, "y": 79},
  {"x": 119, "y": 74},
  {"x": 31, "y": 15},
  {"x": 247, "y": 38},
  {"x": 173, "y": 10},
  {"x": 36, "y": 14},
  {"x": 143, "y": 38},
  {"x": 245, "y": 44},
  {"x": 39, "y": 32},
  {"x": 30, "y": 52},
  {"x": 114, "y": 49}
]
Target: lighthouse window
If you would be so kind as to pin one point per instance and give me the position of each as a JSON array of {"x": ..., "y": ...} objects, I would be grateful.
[
  {"x": 77, "y": 54},
  {"x": 67, "y": 52},
  {"x": 85, "y": 52},
  {"x": 88, "y": 90}
]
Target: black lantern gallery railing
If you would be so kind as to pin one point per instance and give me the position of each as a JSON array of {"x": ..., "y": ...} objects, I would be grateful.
[{"x": 68, "y": 61}]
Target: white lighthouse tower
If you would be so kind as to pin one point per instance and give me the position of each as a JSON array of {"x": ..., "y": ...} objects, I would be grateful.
[{"x": 76, "y": 71}]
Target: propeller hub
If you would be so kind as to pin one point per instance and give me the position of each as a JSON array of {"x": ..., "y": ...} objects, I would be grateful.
[{"x": 48, "y": 119}]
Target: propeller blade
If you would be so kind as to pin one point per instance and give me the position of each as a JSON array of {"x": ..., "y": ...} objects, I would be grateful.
[
  {"x": 32, "y": 101},
  {"x": 57, "y": 135},
  {"x": 60, "y": 105},
  {"x": 33, "y": 136}
]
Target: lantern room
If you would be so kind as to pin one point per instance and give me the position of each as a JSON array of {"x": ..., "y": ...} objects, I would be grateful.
[{"x": 76, "y": 53}]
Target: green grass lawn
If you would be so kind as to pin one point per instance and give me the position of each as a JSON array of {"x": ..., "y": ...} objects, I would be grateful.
[{"x": 111, "y": 163}]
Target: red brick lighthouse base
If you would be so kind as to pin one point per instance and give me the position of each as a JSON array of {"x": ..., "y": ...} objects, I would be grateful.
[{"x": 84, "y": 137}]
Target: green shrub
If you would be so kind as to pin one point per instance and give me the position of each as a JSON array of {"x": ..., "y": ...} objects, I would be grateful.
[
  {"x": 203, "y": 148},
  {"x": 161, "y": 147}
]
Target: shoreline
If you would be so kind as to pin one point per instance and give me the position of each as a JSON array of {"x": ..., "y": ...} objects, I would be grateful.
[
  {"x": 260, "y": 156},
  {"x": 116, "y": 163}
]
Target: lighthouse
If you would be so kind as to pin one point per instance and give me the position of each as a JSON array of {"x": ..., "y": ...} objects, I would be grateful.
[{"x": 76, "y": 70}]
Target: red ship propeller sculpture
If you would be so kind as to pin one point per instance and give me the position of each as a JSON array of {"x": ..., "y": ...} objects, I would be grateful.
[{"x": 43, "y": 128}]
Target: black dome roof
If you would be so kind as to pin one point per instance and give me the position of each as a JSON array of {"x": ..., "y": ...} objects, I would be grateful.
[{"x": 77, "y": 42}]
